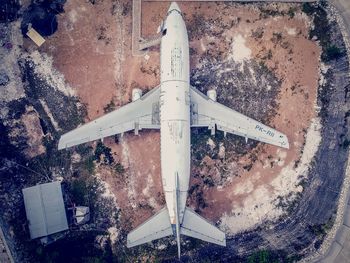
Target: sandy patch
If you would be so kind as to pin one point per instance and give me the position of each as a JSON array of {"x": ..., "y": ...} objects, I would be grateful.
[
  {"x": 44, "y": 69},
  {"x": 113, "y": 234},
  {"x": 254, "y": 209},
  {"x": 262, "y": 204},
  {"x": 31, "y": 122},
  {"x": 49, "y": 113},
  {"x": 239, "y": 51},
  {"x": 291, "y": 31},
  {"x": 9, "y": 64}
]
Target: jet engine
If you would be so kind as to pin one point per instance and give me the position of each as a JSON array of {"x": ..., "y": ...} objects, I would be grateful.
[
  {"x": 136, "y": 94},
  {"x": 211, "y": 94}
]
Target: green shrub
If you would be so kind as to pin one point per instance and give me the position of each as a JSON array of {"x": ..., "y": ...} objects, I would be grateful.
[
  {"x": 119, "y": 168},
  {"x": 332, "y": 52},
  {"x": 307, "y": 8}
]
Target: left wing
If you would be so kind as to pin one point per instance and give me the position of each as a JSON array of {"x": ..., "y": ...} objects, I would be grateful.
[
  {"x": 208, "y": 113},
  {"x": 140, "y": 114}
]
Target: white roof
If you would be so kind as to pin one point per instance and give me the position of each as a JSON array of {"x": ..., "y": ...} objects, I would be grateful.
[
  {"x": 45, "y": 209},
  {"x": 82, "y": 214},
  {"x": 35, "y": 36}
]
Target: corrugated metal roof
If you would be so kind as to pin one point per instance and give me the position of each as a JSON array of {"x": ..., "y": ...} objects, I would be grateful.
[{"x": 45, "y": 209}]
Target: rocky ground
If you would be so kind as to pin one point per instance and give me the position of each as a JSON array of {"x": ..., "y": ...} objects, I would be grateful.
[{"x": 282, "y": 64}]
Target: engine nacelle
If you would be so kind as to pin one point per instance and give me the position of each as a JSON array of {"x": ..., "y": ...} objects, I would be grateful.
[
  {"x": 211, "y": 94},
  {"x": 136, "y": 94}
]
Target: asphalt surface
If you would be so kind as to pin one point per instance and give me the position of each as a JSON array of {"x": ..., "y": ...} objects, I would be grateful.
[{"x": 343, "y": 7}]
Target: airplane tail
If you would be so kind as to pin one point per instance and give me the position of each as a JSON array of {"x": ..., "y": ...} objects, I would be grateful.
[{"x": 159, "y": 226}]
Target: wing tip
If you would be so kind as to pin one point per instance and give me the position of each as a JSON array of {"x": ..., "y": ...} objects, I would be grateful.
[
  {"x": 286, "y": 142},
  {"x": 61, "y": 145},
  {"x": 285, "y": 145},
  {"x": 129, "y": 244}
]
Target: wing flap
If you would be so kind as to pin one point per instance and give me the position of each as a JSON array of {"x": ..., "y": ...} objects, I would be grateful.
[
  {"x": 194, "y": 225},
  {"x": 156, "y": 227}
]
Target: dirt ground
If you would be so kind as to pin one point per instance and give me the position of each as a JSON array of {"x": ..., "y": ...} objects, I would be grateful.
[{"x": 92, "y": 48}]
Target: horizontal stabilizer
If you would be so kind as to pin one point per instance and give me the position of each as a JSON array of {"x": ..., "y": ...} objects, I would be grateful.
[
  {"x": 156, "y": 227},
  {"x": 194, "y": 225}
]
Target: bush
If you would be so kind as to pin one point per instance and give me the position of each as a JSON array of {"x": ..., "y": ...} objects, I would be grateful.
[
  {"x": 119, "y": 168},
  {"x": 101, "y": 149},
  {"x": 333, "y": 52},
  {"x": 307, "y": 8},
  {"x": 291, "y": 12}
]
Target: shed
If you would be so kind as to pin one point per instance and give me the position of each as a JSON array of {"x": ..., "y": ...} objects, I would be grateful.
[
  {"x": 45, "y": 209},
  {"x": 81, "y": 214},
  {"x": 35, "y": 36}
]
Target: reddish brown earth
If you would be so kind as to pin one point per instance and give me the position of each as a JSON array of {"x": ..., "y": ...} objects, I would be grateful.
[{"x": 92, "y": 48}]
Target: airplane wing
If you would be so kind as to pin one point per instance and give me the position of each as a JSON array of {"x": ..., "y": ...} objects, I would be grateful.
[
  {"x": 140, "y": 114},
  {"x": 208, "y": 113}
]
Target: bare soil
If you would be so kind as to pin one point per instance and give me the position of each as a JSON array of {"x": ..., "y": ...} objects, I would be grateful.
[{"x": 92, "y": 48}]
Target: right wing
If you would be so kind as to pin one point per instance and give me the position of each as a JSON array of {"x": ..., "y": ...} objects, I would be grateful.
[
  {"x": 140, "y": 114},
  {"x": 208, "y": 113}
]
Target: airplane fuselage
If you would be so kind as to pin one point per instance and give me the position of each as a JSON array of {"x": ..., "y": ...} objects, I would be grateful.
[{"x": 175, "y": 114}]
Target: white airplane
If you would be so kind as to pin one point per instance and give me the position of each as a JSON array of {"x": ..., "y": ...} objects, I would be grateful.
[{"x": 174, "y": 107}]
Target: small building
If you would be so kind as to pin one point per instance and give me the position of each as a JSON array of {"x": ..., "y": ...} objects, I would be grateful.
[
  {"x": 45, "y": 210},
  {"x": 35, "y": 37},
  {"x": 81, "y": 214}
]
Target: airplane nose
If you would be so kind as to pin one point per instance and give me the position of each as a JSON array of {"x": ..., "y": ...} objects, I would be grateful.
[{"x": 174, "y": 6}]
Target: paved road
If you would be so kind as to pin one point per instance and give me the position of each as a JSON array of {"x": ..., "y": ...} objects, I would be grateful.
[
  {"x": 343, "y": 7},
  {"x": 339, "y": 251},
  {"x": 5, "y": 255}
]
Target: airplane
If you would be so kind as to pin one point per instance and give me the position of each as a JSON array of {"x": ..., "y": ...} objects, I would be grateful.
[{"x": 174, "y": 107}]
